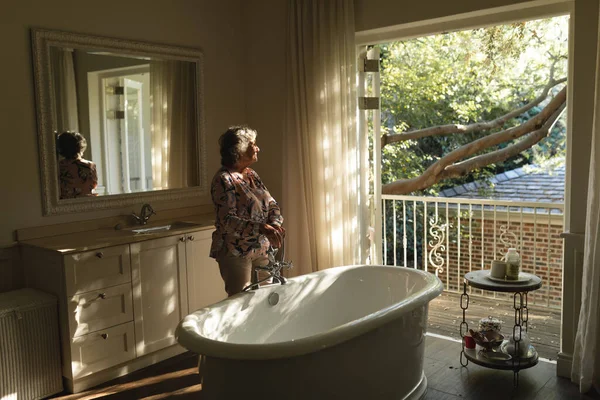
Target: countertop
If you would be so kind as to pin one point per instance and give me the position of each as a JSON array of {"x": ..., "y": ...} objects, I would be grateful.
[{"x": 106, "y": 237}]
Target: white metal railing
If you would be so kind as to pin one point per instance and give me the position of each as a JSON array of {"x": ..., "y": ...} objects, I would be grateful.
[{"x": 452, "y": 236}]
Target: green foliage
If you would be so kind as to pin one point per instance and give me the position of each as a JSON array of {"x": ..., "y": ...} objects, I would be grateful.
[{"x": 463, "y": 78}]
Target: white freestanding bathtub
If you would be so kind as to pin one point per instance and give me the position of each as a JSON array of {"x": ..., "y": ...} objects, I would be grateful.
[{"x": 355, "y": 332}]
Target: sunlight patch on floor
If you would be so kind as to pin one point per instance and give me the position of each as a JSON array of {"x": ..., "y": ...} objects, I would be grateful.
[
  {"x": 187, "y": 390},
  {"x": 119, "y": 388}
]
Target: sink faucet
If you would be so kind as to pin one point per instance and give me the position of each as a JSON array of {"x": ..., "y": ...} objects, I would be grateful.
[
  {"x": 273, "y": 269},
  {"x": 145, "y": 214}
]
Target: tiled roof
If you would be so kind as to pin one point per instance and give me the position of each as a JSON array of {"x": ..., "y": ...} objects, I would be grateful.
[{"x": 521, "y": 184}]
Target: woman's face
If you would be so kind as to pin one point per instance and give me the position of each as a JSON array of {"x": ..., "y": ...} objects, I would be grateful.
[{"x": 251, "y": 155}]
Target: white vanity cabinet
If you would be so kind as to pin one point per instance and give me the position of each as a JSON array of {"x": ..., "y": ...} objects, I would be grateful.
[
  {"x": 119, "y": 305},
  {"x": 95, "y": 307}
]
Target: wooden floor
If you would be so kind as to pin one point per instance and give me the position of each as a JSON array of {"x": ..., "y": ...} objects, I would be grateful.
[
  {"x": 175, "y": 378},
  {"x": 445, "y": 316},
  {"x": 178, "y": 379}
]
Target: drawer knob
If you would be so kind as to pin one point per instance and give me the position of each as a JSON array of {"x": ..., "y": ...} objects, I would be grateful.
[
  {"x": 104, "y": 336},
  {"x": 102, "y": 296},
  {"x": 182, "y": 239},
  {"x": 99, "y": 254},
  {"x": 191, "y": 238}
]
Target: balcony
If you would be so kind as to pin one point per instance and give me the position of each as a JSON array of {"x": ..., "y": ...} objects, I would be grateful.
[{"x": 452, "y": 236}]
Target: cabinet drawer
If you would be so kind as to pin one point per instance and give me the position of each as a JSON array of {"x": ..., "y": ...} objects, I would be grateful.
[
  {"x": 103, "y": 349},
  {"x": 100, "y": 309},
  {"x": 97, "y": 269}
]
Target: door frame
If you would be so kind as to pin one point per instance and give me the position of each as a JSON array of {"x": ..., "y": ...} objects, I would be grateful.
[
  {"x": 98, "y": 134},
  {"x": 580, "y": 95}
]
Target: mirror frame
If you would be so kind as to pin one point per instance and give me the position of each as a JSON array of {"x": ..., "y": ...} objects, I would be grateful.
[{"x": 42, "y": 39}]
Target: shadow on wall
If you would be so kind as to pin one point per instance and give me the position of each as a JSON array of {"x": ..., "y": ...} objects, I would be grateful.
[{"x": 11, "y": 271}]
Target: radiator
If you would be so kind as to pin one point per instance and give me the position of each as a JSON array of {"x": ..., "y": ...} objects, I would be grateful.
[{"x": 29, "y": 345}]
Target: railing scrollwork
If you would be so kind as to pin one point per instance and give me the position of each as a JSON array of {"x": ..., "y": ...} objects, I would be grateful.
[
  {"x": 438, "y": 232},
  {"x": 504, "y": 233}
]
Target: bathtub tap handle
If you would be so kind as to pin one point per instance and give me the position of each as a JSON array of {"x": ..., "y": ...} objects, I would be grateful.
[{"x": 273, "y": 268}]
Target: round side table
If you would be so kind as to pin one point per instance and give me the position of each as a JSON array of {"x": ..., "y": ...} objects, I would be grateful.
[{"x": 480, "y": 280}]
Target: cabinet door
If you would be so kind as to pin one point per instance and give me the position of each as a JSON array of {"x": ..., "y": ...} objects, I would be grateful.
[
  {"x": 159, "y": 291},
  {"x": 205, "y": 285}
]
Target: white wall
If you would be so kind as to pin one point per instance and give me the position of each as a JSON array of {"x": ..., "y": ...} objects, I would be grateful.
[
  {"x": 373, "y": 14},
  {"x": 265, "y": 85},
  {"x": 214, "y": 26}
]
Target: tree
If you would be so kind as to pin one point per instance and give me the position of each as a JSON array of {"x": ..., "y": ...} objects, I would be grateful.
[{"x": 466, "y": 105}]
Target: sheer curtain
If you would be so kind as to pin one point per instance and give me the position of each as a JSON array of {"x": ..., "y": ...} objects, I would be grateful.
[
  {"x": 174, "y": 141},
  {"x": 324, "y": 200},
  {"x": 586, "y": 356},
  {"x": 65, "y": 89}
]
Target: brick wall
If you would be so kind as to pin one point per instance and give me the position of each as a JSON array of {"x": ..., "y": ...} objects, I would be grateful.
[{"x": 540, "y": 247}]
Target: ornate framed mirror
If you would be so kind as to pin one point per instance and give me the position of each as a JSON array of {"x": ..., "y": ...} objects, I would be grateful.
[{"x": 137, "y": 106}]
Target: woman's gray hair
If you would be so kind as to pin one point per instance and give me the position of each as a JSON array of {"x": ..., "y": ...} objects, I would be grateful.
[{"x": 234, "y": 143}]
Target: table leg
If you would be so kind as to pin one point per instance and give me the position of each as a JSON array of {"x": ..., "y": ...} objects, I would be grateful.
[{"x": 525, "y": 313}]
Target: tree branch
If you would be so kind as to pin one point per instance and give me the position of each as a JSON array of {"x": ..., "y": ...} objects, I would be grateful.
[
  {"x": 464, "y": 167},
  {"x": 435, "y": 172},
  {"x": 479, "y": 126}
]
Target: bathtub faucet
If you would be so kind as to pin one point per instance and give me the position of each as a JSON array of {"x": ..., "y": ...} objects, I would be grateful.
[{"x": 273, "y": 268}]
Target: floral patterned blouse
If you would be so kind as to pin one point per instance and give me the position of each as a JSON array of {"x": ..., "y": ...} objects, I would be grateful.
[
  {"x": 77, "y": 178},
  {"x": 242, "y": 203}
]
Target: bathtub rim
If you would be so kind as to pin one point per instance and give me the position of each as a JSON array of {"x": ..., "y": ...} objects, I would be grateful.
[{"x": 309, "y": 344}]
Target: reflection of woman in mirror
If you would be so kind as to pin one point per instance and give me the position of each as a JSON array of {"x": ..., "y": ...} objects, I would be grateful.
[{"x": 77, "y": 176}]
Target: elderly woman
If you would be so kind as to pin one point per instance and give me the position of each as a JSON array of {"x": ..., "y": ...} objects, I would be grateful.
[
  {"x": 77, "y": 176},
  {"x": 248, "y": 219}
]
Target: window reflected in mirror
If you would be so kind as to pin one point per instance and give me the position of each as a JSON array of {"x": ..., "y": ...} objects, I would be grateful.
[{"x": 137, "y": 115}]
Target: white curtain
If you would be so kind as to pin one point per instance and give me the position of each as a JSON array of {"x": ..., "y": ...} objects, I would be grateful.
[
  {"x": 174, "y": 139},
  {"x": 324, "y": 201},
  {"x": 65, "y": 90},
  {"x": 586, "y": 356}
]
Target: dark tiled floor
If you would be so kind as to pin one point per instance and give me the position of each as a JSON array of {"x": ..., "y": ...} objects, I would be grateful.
[
  {"x": 447, "y": 380},
  {"x": 177, "y": 378}
]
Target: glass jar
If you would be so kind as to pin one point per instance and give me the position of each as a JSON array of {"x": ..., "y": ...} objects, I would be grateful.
[
  {"x": 490, "y": 324},
  {"x": 513, "y": 264}
]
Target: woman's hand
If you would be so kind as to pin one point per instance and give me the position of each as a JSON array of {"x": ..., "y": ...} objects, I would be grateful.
[
  {"x": 273, "y": 233},
  {"x": 281, "y": 231}
]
